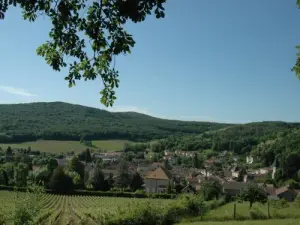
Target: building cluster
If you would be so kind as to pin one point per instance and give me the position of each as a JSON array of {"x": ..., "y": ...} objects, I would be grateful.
[{"x": 157, "y": 178}]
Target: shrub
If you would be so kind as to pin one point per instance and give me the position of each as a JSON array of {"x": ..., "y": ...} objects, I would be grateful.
[
  {"x": 216, "y": 203},
  {"x": 173, "y": 214},
  {"x": 143, "y": 214},
  {"x": 2, "y": 219},
  {"x": 257, "y": 214},
  {"x": 282, "y": 203},
  {"x": 140, "y": 192},
  {"x": 193, "y": 205},
  {"x": 27, "y": 208},
  {"x": 297, "y": 201}
]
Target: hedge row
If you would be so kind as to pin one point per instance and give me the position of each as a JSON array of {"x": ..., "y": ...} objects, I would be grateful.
[{"x": 98, "y": 193}]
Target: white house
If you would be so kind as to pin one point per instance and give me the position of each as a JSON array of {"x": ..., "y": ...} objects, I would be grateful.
[
  {"x": 157, "y": 181},
  {"x": 249, "y": 159}
]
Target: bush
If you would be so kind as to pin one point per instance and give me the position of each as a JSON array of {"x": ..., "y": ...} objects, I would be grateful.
[
  {"x": 257, "y": 214},
  {"x": 173, "y": 214},
  {"x": 27, "y": 208},
  {"x": 2, "y": 219},
  {"x": 282, "y": 203},
  {"x": 193, "y": 205},
  {"x": 297, "y": 201},
  {"x": 145, "y": 214},
  {"x": 140, "y": 192},
  {"x": 216, "y": 203}
]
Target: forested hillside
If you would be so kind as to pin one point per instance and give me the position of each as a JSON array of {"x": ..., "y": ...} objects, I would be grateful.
[
  {"x": 241, "y": 139},
  {"x": 63, "y": 121}
]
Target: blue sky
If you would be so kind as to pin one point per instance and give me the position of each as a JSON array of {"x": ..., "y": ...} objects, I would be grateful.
[{"x": 213, "y": 60}]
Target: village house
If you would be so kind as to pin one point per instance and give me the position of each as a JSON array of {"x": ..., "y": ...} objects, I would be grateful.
[
  {"x": 143, "y": 169},
  {"x": 108, "y": 157},
  {"x": 233, "y": 188},
  {"x": 189, "y": 189},
  {"x": 157, "y": 181},
  {"x": 62, "y": 162},
  {"x": 36, "y": 168},
  {"x": 113, "y": 154},
  {"x": 155, "y": 165},
  {"x": 108, "y": 172},
  {"x": 264, "y": 170},
  {"x": 169, "y": 158},
  {"x": 249, "y": 160},
  {"x": 205, "y": 172},
  {"x": 281, "y": 193},
  {"x": 167, "y": 153},
  {"x": 235, "y": 172},
  {"x": 194, "y": 182},
  {"x": 185, "y": 153},
  {"x": 227, "y": 174},
  {"x": 209, "y": 162}
]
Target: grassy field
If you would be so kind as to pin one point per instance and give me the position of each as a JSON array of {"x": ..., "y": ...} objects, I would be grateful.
[
  {"x": 249, "y": 222},
  {"x": 110, "y": 145},
  {"x": 225, "y": 213},
  {"x": 67, "y": 146},
  {"x": 63, "y": 210}
]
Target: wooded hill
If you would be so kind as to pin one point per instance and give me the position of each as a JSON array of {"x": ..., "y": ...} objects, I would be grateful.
[
  {"x": 266, "y": 140},
  {"x": 63, "y": 121}
]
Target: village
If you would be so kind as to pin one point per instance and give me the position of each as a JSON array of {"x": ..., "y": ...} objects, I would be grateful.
[{"x": 159, "y": 176}]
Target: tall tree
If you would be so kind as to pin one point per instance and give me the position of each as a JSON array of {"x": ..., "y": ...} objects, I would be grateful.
[
  {"x": 210, "y": 189},
  {"x": 85, "y": 156},
  {"x": 20, "y": 175},
  {"x": 198, "y": 161},
  {"x": 242, "y": 173},
  {"x": 79, "y": 24},
  {"x": 60, "y": 182},
  {"x": 253, "y": 193},
  {"x": 167, "y": 165},
  {"x": 52, "y": 164},
  {"x": 88, "y": 157},
  {"x": 137, "y": 182},
  {"x": 43, "y": 176},
  {"x": 9, "y": 169},
  {"x": 96, "y": 179},
  {"x": 3, "y": 177},
  {"x": 122, "y": 180},
  {"x": 77, "y": 166},
  {"x": 8, "y": 154}
]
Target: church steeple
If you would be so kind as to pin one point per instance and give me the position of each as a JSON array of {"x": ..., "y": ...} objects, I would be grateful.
[{"x": 274, "y": 168}]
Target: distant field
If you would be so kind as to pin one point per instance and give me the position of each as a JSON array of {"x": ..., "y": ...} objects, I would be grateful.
[
  {"x": 249, "y": 222},
  {"x": 110, "y": 145},
  {"x": 67, "y": 146}
]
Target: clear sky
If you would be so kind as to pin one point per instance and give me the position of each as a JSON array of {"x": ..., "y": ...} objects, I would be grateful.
[{"x": 227, "y": 61}]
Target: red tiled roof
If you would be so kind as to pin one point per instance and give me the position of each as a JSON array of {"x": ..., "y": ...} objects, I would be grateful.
[
  {"x": 281, "y": 190},
  {"x": 159, "y": 174}
]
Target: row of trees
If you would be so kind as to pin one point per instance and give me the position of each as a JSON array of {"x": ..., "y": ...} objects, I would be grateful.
[
  {"x": 73, "y": 176},
  {"x": 20, "y": 168}
]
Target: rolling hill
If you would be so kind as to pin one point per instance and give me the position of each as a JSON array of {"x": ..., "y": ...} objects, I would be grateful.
[
  {"x": 64, "y": 121},
  {"x": 259, "y": 137}
]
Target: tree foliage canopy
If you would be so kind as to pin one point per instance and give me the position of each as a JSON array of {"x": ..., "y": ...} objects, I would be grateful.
[
  {"x": 253, "y": 193},
  {"x": 87, "y": 35}
]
